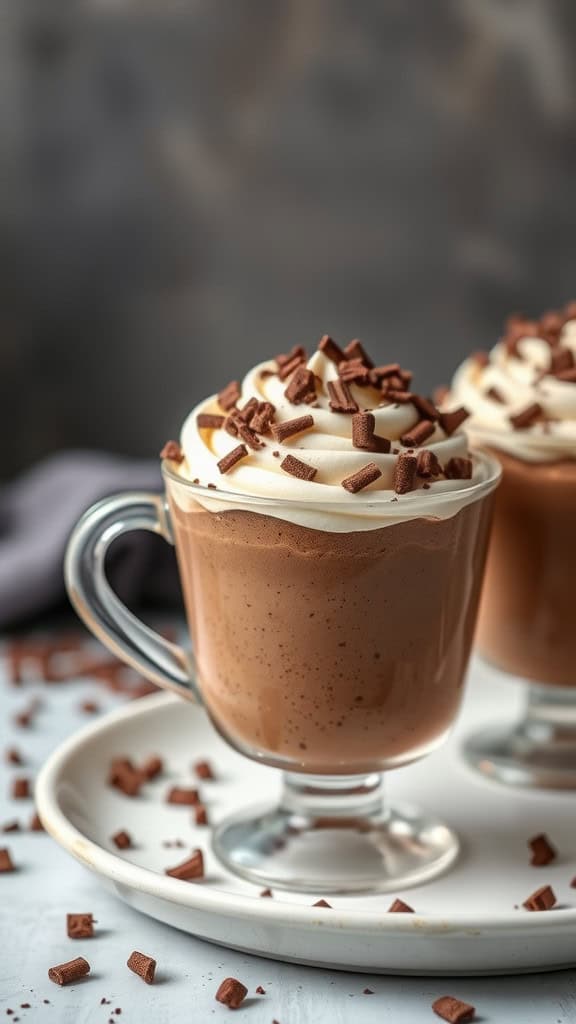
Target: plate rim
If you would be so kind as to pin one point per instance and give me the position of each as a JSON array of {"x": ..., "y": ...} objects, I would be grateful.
[{"x": 206, "y": 899}]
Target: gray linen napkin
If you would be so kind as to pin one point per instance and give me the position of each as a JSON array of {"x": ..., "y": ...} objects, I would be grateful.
[{"x": 37, "y": 513}]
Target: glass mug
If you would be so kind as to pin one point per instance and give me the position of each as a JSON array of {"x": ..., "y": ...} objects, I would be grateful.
[
  {"x": 334, "y": 656},
  {"x": 527, "y": 626}
]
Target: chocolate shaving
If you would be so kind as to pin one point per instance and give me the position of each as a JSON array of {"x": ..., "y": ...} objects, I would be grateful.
[
  {"x": 11, "y": 826},
  {"x": 543, "y": 899},
  {"x": 80, "y": 926},
  {"x": 450, "y": 421},
  {"x": 425, "y": 407},
  {"x": 73, "y": 970},
  {"x": 229, "y": 395},
  {"x": 142, "y": 965},
  {"x": 330, "y": 349},
  {"x": 354, "y": 371},
  {"x": 262, "y": 417},
  {"x": 179, "y": 795},
  {"x": 260, "y": 991},
  {"x": 13, "y": 756},
  {"x": 172, "y": 451},
  {"x": 542, "y": 850},
  {"x": 290, "y": 361},
  {"x": 189, "y": 869},
  {"x": 322, "y": 903},
  {"x": 399, "y": 907},
  {"x": 380, "y": 373},
  {"x": 302, "y": 387},
  {"x": 561, "y": 359},
  {"x": 36, "y": 823},
  {"x": 394, "y": 396},
  {"x": 122, "y": 840},
  {"x": 458, "y": 469},
  {"x": 428, "y": 464},
  {"x": 362, "y": 478},
  {"x": 152, "y": 767},
  {"x": 232, "y": 458},
  {"x": 200, "y": 815},
  {"x": 125, "y": 777},
  {"x": 297, "y": 468},
  {"x": 418, "y": 434},
  {"x": 6, "y": 862},
  {"x": 89, "y": 707},
  {"x": 289, "y": 428},
  {"x": 405, "y": 473},
  {"x": 518, "y": 327},
  {"x": 481, "y": 358},
  {"x": 209, "y": 421},
  {"x": 204, "y": 770},
  {"x": 21, "y": 789},
  {"x": 527, "y": 417},
  {"x": 232, "y": 993},
  {"x": 495, "y": 395},
  {"x": 266, "y": 894},
  {"x": 340, "y": 399},
  {"x": 567, "y": 375},
  {"x": 453, "y": 1010},
  {"x": 550, "y": 325},
  {"x": 247, "y": 411},
  {"x": 355, "y": 350},
  {"x": 363, "y": 436}
]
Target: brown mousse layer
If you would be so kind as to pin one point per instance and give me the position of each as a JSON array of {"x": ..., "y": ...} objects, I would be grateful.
[
  {"x": 526, "y": 624},
  {"x": 337, "y": 652}
]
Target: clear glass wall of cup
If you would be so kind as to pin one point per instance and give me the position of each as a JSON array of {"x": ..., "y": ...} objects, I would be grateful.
[
  {"x": 527, "y": 623},
  {"x": 333, "y": 656}
]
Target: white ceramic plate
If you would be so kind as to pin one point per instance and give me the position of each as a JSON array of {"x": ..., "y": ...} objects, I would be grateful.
[{"x": 466, "y": 921}]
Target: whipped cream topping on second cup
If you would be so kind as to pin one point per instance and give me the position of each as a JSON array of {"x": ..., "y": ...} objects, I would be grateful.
[
  {"x": 327, "y": 447},
  {"x": 522, "y": 394}
]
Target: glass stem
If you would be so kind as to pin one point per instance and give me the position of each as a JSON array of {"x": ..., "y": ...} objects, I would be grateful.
[
  {"x": 333, "y": 798},
  {"x": 550, "y": 715}
]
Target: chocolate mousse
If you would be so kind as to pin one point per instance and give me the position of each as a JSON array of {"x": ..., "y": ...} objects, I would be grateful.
[
  {"x": 522, "y": 397},
  {"x": 331, "y": 535}
]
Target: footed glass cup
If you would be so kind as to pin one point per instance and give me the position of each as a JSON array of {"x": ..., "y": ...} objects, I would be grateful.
[{"x": 333, "y": 655}]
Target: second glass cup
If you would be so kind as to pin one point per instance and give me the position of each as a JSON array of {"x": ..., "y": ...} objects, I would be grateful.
[{"x": 332, "y": 655}]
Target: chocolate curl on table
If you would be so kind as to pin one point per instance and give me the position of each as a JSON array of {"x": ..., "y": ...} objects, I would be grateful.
[
  {"x": 453, "y": 1010},
  {"x": 80, "y": 926},
  {"x": 142, "y": 965},
  {"x": 73, "y": 970},
  {"x": 232, "y": 993}
]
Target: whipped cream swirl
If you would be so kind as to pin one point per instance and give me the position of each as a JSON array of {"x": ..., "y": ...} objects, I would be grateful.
[
  {"x": 323, "y": 502},
  {"x": 511, "y": 379}
]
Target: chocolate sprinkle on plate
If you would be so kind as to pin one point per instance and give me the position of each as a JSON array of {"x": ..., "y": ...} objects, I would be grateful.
[
  {"x": 142, "y": 965},
  {"x": 6, "y": 862},
  {"x": 543, "y": 899},
  {"x": 322, "y": 903},
  {"x": 453, "y": 1010},
  {"x": 542, "y": 850},
  {"x": 190, "y": 869},
  {"x": 122, "y": 840},
  {"x": 204, "y": 770},
  {"x": 399, "y": 907},
  {"x": 298, "y": 468},
  {"x": 232, "y": 993}
]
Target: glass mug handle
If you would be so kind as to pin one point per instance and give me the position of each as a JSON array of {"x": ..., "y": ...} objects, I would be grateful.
[{"x": 165, "y": 663}]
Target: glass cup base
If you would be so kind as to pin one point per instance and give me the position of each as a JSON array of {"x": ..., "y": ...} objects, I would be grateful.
[
  {"x": 509, "y": 755},
  {"x": 538, "y": 750},
  {"x": 334, "y": 835}
]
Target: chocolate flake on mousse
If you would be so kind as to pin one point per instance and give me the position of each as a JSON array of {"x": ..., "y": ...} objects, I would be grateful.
[
  {"x": 380, "y": 373},
  {"x": 229, "y": 395},
  {"x": 405, "y": 473},
  {"x": 567, "y": 375},
  {"x": 362, "y": 478},
  {"x": 354, "y": 371},
  {"x": 330, "y": 349},
  {"x": 172, "y": 451},
  {"x": 542, "y": 850},
  {"x": 302, "y": 387},
  {"x": 341, "y": 399},
  {"x": 289, "y": 361},
  {"x": 561, "y": 359},
  {"x": 425, "y": 407},
  {"x": 399, "y": 397},
  {"x": 453, "y": 1010},
  {"x": 209, "y": 421},
  {"x": 527, "y": 417},
  {"x": 458, "y": 469},
  {"x": 289, "y": 428},
  {"x": 399, "y": 907},
  {"x": 450, "y": 421},
  {"x": 495, "y": 395},
  {"x": 262, "y": 417},
  {"x": 428, "y": 464},
  {"x": 297, "y": 468},
  {"x": 543, "y": 899},
  {"x": 418, "y": 434},
  {"x": 355, "y": 350},
  {"x": 232, "y": 458},
  {"x": 363, "y": 436}
]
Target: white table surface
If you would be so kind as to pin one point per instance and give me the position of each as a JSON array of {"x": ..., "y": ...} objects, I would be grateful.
[{"x": 48, "y": 884}]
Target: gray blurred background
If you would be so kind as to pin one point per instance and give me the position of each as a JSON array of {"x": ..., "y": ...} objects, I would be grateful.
[{"x": 188, "y": 187}]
